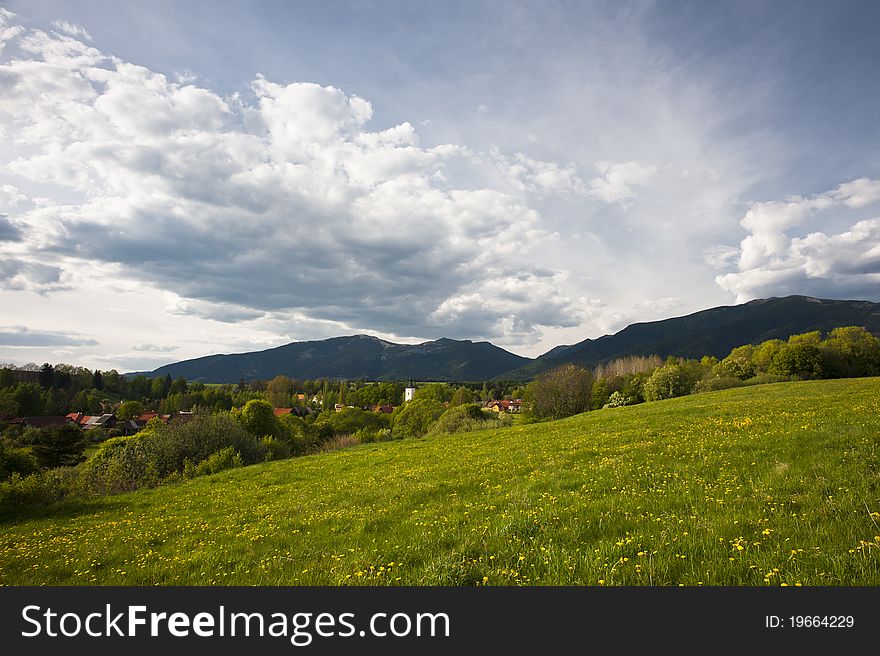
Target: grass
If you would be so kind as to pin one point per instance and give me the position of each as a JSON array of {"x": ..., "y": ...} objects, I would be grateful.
[{"x": 767, "y": 485}]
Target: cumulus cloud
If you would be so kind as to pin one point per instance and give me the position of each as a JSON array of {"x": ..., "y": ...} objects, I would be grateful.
[
  {"x": 773, "y": 260},
  {"x": 617, "y": 179},
  {"x": 282, "y": 202},
  {"x": 22, "y": 336}
]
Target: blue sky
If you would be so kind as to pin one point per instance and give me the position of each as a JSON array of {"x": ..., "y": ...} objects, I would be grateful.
[{"x": 233, "y": 176}]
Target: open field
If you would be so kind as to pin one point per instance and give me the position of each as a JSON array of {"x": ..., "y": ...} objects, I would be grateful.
[{"x": 773, "y": 484}]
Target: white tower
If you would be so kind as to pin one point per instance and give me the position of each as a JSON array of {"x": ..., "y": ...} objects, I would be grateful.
[{"x": 409, "y": 392}]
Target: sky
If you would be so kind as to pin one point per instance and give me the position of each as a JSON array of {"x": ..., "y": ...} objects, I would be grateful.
[{"x": 218, "y": 177}]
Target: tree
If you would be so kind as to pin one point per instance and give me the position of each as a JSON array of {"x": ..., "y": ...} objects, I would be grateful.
[
  {"x": 668, "y": 381},
  {"x": 851, "y": 351},
  {"x": 600, "y": 394},
  {"x": 130, "y": 409},
  {"x": 279, "y": 390},
  {"x": 258, "y": 418},
  {"x": 8, "y": 404},
  {"x": 60, "y": 446},
  {"x": 764, "y": 353},
  {"x": 29, "y": 399},
  {"x": 461, "y": 396},
  {"x": 801, "y": 360},
  {"x": 414, "y": 418},
  {"x": 47, "y": 376},
  {"x": 435, "y": 391},
  {"x": 97, "y": 380},
  {"x": 561, "y": 392},
  {"x": 738, "y": 364},
  {"x": 179, "y": 386}
]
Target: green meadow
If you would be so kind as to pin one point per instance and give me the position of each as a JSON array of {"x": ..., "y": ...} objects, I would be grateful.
[{"x": 766, "y": 485}]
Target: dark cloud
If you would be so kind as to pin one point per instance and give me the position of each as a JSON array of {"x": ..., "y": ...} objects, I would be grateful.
[
  {"x": 20, "y": 336},
  {"x": 8, "y": 231}
]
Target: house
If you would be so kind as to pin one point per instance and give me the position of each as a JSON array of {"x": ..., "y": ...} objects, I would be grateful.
[
  {"x": 303, "y": 411},
  {"x": 505, "y": 405},
  {"x": 79, "y": 418},
  {"x": 282, "y": 411},
  {"x": 383, "y": 409},
  {"x": 46, "y": 422},
  {"x": 107, "y": 420}
]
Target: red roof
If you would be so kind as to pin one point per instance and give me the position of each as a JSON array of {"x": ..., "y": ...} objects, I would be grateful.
[{"x": 282, "y": 411}]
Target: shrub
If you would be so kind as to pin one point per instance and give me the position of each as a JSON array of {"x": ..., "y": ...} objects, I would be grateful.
[
  {"x": 224, "y": 459},
  {"x": 466, "y": 418},
  {"x": 339, "y": 442},
  {"x": 667, "y": 382},
  {"x": 366, "y": 435},
  {"x": 715, "y": 383},
  {"x": 19, "y": 493},
  {"x": 123, "y": 464},
  {"x": 414, "y": 419},
  {"x": 198, "y": 438},
  {"x": 561, "y": 392},
  {"x": 618, "y": 400},
  {"x": 276, "y": 449},
  {"x": 258, "y": 417},
  {"x": 16, "y": 461},
  {"x": 800, "y": 359}
]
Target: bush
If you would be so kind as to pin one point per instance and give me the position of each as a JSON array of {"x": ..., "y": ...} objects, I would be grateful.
[
  {"x": 198, "y": 438},
  {"x": 224, "y": 459},
  {"x": 799, "y": 359},
  {"x": 16, "y": 461},
  {"x": 414, "y": 418},
  {"x": 466, "y": 418},
  {"x": 351, "y": 420},
  {"x": 123, "y": 464},
  {"x": 19, "y": 493},
  {"x": 618, "y": 400},
  {"x": 668, "y": 381},
  {"x": 561, "y": 392},
  {"x": 366, "y": 435},
  {"x": 258, "y": 417},
  {"x": 716, "y": 383},
  {"x": 276, "y": 449},
  {"x": 339, "y": 442}
]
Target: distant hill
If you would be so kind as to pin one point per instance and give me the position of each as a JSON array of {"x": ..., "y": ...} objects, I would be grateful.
[
  {"x": 713, "y": 332},
  {"x": 357, "y": 356},
  {"x": 709, "y": 332}
]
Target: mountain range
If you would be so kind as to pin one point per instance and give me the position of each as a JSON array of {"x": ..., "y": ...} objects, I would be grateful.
[{"x": 709, "y": 332}]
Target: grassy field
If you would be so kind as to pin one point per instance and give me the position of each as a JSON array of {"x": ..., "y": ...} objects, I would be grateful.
[{"x": 767, "y": 485}]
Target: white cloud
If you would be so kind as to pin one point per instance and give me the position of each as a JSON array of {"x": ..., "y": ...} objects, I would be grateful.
[
  {"x": 289, "y": 204},
  {"x": 8, "y": 29},
  {"x": 72, "y": 29},
  {"x": 615, "y": 185},
  {"x": 774, "y": 261},
  {"x": 153, "y": 348}
]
